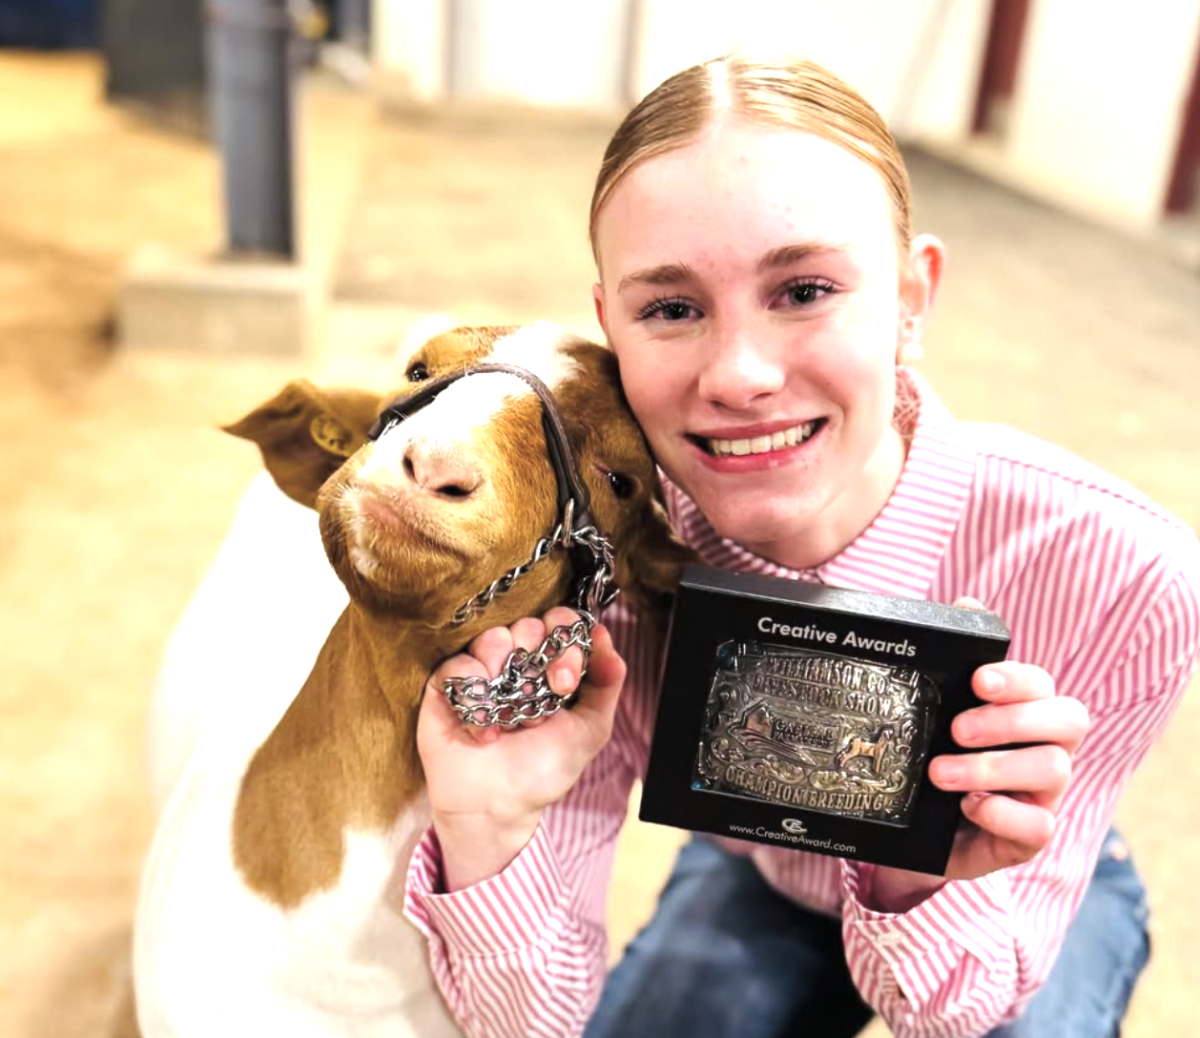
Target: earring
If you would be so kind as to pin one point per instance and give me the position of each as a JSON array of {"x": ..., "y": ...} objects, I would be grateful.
[{"x": 911, "y": 352}]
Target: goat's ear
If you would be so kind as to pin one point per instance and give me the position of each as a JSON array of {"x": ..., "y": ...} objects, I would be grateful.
[
  {"x": 306, "y": 433},
  {"x": 650, "y": 564}
]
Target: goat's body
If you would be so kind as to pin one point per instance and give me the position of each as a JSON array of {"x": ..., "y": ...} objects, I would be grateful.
[
  {"x": 272, "y": 895},
  {"x": 213, "y": 957},
  {"x": 233, "y": 665}
]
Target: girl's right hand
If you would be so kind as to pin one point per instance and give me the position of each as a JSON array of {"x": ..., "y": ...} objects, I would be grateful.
[{"x": 488, "y": 786}]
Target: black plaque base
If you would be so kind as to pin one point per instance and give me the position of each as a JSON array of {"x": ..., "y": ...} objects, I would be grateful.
[{"x": 804, "y": 716}]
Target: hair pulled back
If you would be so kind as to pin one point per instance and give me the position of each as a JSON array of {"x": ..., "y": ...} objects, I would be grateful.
[{"x": 790, "y": 93}]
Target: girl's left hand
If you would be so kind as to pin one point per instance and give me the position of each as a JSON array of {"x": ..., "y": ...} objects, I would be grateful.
[{"x": 1010, "y": 796}]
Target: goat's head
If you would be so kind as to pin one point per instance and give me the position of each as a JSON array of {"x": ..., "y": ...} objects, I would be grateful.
[{"x": 456, "y": 494}]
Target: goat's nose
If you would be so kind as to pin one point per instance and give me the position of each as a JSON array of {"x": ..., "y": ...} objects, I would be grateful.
[{"x": 442, "y": 468}]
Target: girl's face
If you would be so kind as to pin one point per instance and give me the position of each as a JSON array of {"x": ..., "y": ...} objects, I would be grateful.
[{"x": 751, "y": 288}]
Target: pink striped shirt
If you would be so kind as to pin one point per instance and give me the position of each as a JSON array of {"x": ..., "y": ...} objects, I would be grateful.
[{"x": 1097, "y": 584}]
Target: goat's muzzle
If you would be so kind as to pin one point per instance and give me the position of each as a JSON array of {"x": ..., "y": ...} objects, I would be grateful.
[
  {"x": 440, "y": 468},
  {"x": 591, "y": 554}
]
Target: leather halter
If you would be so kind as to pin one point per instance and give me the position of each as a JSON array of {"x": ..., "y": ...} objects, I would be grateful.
[{"x": 574, "y": 502}]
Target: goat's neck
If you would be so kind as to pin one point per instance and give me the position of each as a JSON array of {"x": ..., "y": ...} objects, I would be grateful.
[
  {"x": 342, "y": 757},
  {"x": 388, "y": 660}
]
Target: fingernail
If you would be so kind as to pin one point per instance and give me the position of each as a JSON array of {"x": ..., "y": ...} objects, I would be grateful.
[
  {"x": 950, "y": 773},
  {"x": 561, "y": 681},
  {"x": 966, "y": 728},
  {"x": 973, "y": 800},
  {"x": 991, "y": 681}
]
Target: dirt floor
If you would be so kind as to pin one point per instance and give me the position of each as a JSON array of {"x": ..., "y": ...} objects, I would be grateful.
[{"x": 116, "y": 488}]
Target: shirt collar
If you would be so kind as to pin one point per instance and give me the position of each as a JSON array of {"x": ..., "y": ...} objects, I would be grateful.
[{"x": 900, "y": 552}]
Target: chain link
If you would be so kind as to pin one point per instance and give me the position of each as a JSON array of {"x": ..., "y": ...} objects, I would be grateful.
[
  {"x": 519, "y": 693},
  {"x": 592, "y": 593},
  {"x": 472, "y": 607}
]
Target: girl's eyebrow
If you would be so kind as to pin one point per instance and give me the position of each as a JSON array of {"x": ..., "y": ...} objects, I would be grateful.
[
  {"x": 786, "y": 255},
  {"x": 679, "y": 273},
  {"x": 665, "y": 274}
]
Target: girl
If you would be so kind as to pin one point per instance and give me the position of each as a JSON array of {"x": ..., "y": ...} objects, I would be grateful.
[{"x": 764, "y": 292}]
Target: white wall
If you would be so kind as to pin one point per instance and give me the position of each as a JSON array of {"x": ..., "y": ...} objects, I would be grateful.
[
  {"x": 541, "y": 51},
  {"x": 1093, "y": 125},
  {"x": 916, "y": 61},
  {"x": 1096, "y": 116},
  {"x": 408, "y": 39}
]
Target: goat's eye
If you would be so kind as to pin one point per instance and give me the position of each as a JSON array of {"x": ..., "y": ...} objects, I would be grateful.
[
  {"x": 622, "y": 486},
  {"x": 417, "y": 372}
]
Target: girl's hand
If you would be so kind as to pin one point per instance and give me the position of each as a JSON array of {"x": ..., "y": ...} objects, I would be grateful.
[
  {"x": 1010, "y": 796},
  {"x": 488, "y": 786}
]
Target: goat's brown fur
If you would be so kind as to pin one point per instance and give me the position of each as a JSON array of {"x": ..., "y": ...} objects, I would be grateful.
[
  {"x": 345, "y": 753},
  {"x": 306, "y": 434}
]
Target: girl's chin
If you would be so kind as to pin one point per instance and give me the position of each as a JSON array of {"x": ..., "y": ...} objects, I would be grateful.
[{"x": 762, "y": 522}]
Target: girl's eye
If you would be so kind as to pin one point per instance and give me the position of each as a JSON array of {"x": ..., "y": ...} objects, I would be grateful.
[
  {"x": 417, "y": 372},
  {"x": 805, "y": 293},
  {"x": 668, "y": 310},
  {"x": 621, "y": 485}
]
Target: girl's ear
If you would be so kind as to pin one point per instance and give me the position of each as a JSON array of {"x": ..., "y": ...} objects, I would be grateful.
[
  {"x": 919, "y": 281},
  {"x": 305, "y": 434},
  {"x": 598, "y": 301}
]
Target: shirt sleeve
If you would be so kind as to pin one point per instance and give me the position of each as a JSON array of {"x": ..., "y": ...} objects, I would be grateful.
[
  {"x": 523, "y": 954},
  {"x": 969, "y": 957}
]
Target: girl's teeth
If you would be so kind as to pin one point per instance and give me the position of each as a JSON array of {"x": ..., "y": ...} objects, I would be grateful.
[{"x": 762, "y": 444}]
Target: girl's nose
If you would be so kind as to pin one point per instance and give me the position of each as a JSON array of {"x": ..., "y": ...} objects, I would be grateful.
[{"x": 741, "y": 369}]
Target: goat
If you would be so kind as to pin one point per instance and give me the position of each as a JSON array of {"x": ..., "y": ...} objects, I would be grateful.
[{"x": 270, "y": 899}]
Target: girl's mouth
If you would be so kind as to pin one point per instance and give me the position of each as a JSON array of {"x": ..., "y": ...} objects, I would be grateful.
[{"x": 777, "y": 441}]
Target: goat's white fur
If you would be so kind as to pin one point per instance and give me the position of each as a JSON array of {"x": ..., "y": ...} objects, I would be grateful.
[
  {"x": 248, "y": 968},
  {"x": 212, "y": 957},
  {"x": 475, "y": 400},
  {"x": 248, "y": 638}
]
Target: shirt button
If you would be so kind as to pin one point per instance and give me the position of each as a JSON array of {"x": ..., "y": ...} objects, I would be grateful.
[{"x": 889, "y": 940}]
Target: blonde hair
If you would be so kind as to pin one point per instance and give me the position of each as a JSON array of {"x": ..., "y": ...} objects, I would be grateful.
[{"x": 789, "y": 93}]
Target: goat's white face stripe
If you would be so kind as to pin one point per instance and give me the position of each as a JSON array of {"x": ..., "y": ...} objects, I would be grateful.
[{"x": 475, "y": 400}]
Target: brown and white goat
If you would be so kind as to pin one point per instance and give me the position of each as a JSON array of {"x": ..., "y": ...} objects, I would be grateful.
[{"x": 271, "y": 896}]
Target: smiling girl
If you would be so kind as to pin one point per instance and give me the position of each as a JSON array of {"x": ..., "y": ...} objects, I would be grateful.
[{"x": 762, "y": 288}]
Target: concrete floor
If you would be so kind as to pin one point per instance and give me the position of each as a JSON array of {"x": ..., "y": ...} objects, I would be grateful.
[{"x": 115, "y": 488}]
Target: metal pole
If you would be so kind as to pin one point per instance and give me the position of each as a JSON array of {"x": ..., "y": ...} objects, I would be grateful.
[
  {"x": 354, "y": 24},
  {"x": 251, "y": 61}
]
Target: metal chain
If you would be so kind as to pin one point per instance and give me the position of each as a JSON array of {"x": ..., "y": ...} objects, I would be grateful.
[
  {"x": 472, "y": 607},
  {"x": 595, "y": 591},
  {"x": 519, "y": 693},
  {"x": 592, "y": 592}
]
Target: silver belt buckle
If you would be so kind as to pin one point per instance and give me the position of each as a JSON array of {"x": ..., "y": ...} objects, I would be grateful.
[{"x": 802, "y": 728}]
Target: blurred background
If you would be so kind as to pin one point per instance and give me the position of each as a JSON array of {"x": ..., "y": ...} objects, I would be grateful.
[{"x": 200, "y": 201}]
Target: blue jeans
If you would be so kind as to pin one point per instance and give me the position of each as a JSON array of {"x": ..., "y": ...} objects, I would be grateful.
[{"x": 726, "y": 957}]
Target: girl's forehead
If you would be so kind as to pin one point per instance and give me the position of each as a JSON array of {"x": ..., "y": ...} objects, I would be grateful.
[{"x": 742, "y": 184}]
